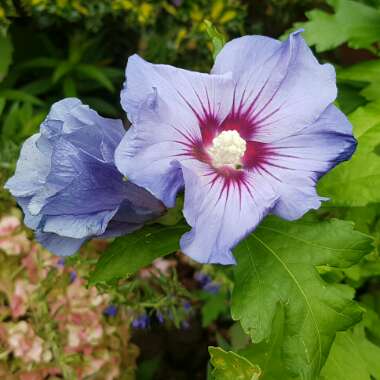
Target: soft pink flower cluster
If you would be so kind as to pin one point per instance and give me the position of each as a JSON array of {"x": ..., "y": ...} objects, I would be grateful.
[
  {"x": 10, "y": 242},
  {"x": 48, "y": 316},
  {"x": 25, "y": 344}
]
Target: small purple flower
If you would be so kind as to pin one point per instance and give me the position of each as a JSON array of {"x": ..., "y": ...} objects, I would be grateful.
[
  {"x": 73, "y": 276},
  {"x": 160, "y": 317},
  {"x": 68, "y": 185},
  {"x": 251, "y": 138},
  {"x": 212, "y": 287},
  {"x": 202, "y": 278},
  {"x": 187, "y": 306},
  {"x": 110, "y": 311},
  {"x": 141, "y": 322},
  {"x": 61, "y": 262},
  {"x": 207, "y": 284}
]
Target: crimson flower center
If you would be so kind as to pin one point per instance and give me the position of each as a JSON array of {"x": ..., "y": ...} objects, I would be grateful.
[{"x": 227, "y": 148}]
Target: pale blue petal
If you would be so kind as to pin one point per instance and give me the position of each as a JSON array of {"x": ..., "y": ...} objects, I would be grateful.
[
  {"x": 285, "y": 86},
  {"x": 221, "y": 217},
  {"x": 31, "y": 170},
  {"x": 78, "y": 226},
  {"x": 302, "y": 159},
  {"x": 165, "y": 104},
  {"x": 31, "y": 221},
  {"x": 177, "y": 88},
  {"x": 59, "y": 245}
]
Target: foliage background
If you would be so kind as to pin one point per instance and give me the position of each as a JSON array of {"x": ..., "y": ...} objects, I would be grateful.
[{"x": 54, "y": 49}]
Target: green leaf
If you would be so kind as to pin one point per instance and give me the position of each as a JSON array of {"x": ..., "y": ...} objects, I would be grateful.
[
  {"x": 37, "y": 87},
  {"x": 95, "y": 73},
  {"x": 78, "y": 44},
  {"x": 277, "y": 265},
  {"x": 19, "y": 95},
  {"x": 231, "y": 366},
  {"x": 352, "y": 357},
  {"x": 9, "y": 152},
  {"x": 239, "y": 339},
  {"x": 356, "y": 182},
  {"x": 268, "y": 354},
  {"x": 40, "y": 63},
  {"x": 372, "y": 91},
  {"x": 173, "y": 215},
  {"x": 353, "y": 22},
  {"x": 21, "y": 122},
  {"x": 61, "y": 70},
  {"x": 69, "y": 88},
  {"x": 217, "y": 39},
  {"x": 12, "y": 124},
  {"x": 349, "y": 98},
  {"x": 127, "y": 254},
  {"x": 369, "y": 267},
  {"x": 215, "y": 304},
  {"x": 369, "y": 72},
  {"x": 365, "y": 118},
  {"x": 6, "y": 50},
  {"x": 371, "y": 320},
  {"x": 2, "y": 105},
  {"x": 364, "y": 218},
  {"x": 114, "y": 74}
]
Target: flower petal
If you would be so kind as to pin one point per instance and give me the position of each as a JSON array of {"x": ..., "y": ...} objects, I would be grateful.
[
  {"x": 60, "y": 110},
  {"x": 281, "y": 85},
  {"x": 78, "y": 226},
  {"x": 166, "y": 122},
  {"x": 81, "y": 167},
  {"x": 183, "y": 91},
  {"x": 101, "y": 136},
  {"x": 152, "y": 168},
  {"x": 221, "y": 215},
  {"x": 300, "y": 160},
  {"x": 31, "y": 221},
  {"x": 98, "y": 183},
  {"x": 31, "y": 171},
  {"x": 61, "y": 246},
  {"x": 246, "y": 55},
  {"x": 84, "y": 128},
  {"x": 149, "y": 164},
  {"x": 138, "y": 206},
  {"x": 116, "y": 228},
  {"x": 66, "y": 166}
]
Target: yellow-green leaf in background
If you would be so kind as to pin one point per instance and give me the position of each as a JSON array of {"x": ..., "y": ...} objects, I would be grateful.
[
  {"x": 369, "y": 72},
  {"x": 352, "y": 22},
  {"x": 217, "y": 39},
  {"x": 231, "y": 366}
]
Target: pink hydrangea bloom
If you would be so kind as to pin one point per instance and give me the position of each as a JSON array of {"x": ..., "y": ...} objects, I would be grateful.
[
  {"x": 8, "y": 225},
  {"x": 20, "y": 299},
  {"x": 25, "y": 344}
]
